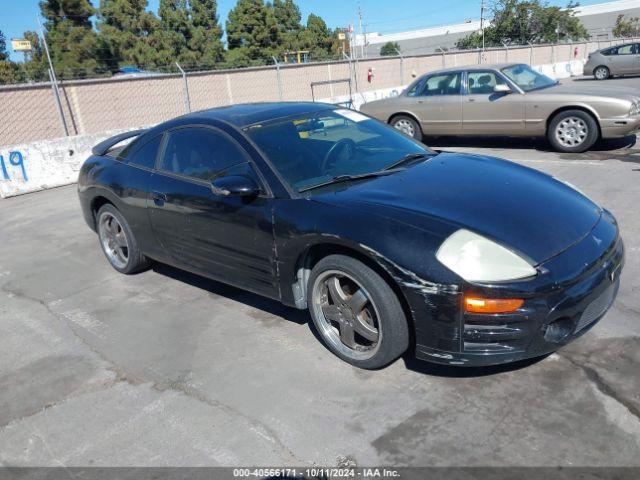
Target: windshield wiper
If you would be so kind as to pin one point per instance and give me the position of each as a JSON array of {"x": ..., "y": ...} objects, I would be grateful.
[
  {"x": 347, "y": 178},
  {"x": 408, "y": 158}
]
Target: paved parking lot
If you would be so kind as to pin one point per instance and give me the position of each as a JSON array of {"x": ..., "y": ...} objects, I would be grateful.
[{"x": 165, "y": 368}]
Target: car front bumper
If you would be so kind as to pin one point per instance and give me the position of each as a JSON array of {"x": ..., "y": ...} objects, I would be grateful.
[
  {"x": 546, "y": 322},
  {"x": 619, "y": 127}
]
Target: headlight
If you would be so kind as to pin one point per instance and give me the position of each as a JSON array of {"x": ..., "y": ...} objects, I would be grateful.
[
  {"x": 478, "y": 259},
  {"x": 635, "y": 108}
]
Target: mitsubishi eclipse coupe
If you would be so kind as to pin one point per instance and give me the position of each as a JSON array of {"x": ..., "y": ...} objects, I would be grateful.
[{"x": 459, "y": 259}]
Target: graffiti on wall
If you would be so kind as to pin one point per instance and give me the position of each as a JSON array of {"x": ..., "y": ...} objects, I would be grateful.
[{"x": 14, "y": 163}]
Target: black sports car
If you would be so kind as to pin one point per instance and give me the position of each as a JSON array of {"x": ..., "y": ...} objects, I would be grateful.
[{"x": 464, "y": 259}]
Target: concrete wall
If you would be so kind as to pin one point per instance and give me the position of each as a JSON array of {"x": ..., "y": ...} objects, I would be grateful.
[{"x": 43, "y": 164}]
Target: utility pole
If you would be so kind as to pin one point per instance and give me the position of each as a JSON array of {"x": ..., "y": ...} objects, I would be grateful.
[
  {"x": 362, "y": 38},
  {"x": 482, "y": 23}
]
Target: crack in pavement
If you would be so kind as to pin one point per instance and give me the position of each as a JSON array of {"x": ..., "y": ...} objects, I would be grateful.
[
  {"x": 602, "y": 386},
  {"x": 121, "y": 375}
]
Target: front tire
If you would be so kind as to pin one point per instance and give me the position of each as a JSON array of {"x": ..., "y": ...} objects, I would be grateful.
[
  {"x": 601, "y": 73},
  {"x": 356, "y": 313},
  {"x": 572, "y": 131},
  {"x": 117, "y": 241},
  {"x": 407, "y": 125}
]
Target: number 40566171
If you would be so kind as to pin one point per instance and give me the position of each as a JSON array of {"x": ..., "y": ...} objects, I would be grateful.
[{"x": 16, "y": 160}]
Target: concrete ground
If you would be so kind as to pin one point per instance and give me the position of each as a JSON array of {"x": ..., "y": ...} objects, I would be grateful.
[{"x": 165, "y": 368}]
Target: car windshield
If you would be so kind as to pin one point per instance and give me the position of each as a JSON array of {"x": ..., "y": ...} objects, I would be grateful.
[
  {"x": 327, "y": 146},
  {"x": 527, "y": 78}
]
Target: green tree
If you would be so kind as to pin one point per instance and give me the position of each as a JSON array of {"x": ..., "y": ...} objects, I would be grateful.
[
  {"x": 288, "y": 18},
  {"x": 10, "y": 72},
  {"x": 205, "y": 43},
  {"x": 390, "y": 49},
  {"x": 130, "y": 35},
  {"x": 35, "y": 65},
  {"x": 519, "y": 22},
  {"x": 252, "y": 29},
  {"x": 176, "y": 28},
  {"x": 317, "y": 38},
  {"x": 72, "y": 41},
  {"x": 4, "y": 55},
  {"x": 626, "y": 28}
]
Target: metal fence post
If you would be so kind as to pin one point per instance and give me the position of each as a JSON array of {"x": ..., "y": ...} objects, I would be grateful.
[
  {"x": 54, "y": 82},
  {"x": 479, "y": 57},
  {"x": 444, "y": 61},
  {"x": 279, "y": 77},
  {"x": 185, "y": 90},
  {"x": 401, "y": 66},
  {"x": 506, "y": 52}
]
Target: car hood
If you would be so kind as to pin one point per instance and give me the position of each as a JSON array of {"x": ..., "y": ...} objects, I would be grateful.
[
  {"x": 521, "y": 208},
  {"x": 576, "y": 88}
]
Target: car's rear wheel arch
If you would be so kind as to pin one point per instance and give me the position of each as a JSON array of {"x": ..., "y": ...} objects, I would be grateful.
[
  {"x": 582, "y": 108},
  {"x": 313, "y": 254}
]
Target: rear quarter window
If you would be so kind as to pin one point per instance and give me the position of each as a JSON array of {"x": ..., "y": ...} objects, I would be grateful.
[{"x": 144, "y": 155}]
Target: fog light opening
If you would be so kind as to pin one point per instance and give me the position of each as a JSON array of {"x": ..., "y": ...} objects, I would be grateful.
[{"x": 558, "y": 330}]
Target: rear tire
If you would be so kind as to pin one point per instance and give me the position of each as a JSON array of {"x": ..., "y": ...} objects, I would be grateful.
[
  {"x": 118, "y": 242},
  {"x": 407, "y": 125},
  {"x": 602, "y": 73},
  {"x": 572, "y": 131},
  {"x": 356, "y": 313}
]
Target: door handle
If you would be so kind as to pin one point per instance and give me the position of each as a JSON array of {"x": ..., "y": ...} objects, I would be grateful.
[
  {"x": 158, "y": 198},
  {"x": 471, "y": 99}
]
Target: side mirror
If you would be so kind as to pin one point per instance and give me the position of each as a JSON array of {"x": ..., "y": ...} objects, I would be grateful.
[
  {"x": 235, "y": 186},
  {"x": 502, "y": 88}
]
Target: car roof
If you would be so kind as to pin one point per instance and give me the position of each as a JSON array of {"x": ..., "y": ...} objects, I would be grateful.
[
  {"x": 488, "y": 66},
  {"x": 243, "y": 115}
]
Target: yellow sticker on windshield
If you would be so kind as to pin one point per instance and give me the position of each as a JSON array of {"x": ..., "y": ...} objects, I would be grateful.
[{"x": 351, "y": 115}]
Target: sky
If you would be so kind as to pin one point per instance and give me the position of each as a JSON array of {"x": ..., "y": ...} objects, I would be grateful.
[{"x": 383, "y": 16}]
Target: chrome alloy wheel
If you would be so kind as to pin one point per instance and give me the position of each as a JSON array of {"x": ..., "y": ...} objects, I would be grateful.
[
  {"x": 601, "y": 73},
  {"x": 114, "y": 240},
  {"x": 347, "y": 316},
  {"x": 572, "y": 132},
  {"x": 405, "y": 126}
]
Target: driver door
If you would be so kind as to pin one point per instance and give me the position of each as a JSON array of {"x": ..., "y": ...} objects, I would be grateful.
[
  {"x": 226, "y": 238},
  {"x": 485, "y": 111}
]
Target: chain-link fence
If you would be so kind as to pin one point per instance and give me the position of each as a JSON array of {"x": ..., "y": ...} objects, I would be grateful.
[{"x": 35, "y": 112}]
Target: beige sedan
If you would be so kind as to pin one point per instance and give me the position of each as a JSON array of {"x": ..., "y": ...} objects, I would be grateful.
[{"x": 512, "y": 100}]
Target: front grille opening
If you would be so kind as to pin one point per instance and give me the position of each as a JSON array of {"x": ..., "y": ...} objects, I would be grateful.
[{"x": 558, "y": 330}]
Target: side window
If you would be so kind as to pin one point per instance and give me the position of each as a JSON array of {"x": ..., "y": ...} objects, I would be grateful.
[
  {"x": 444, "y": 84},
  {"x": 145, "y": 156},
  {"x": 626, "y": 50},
  {"x": 201, "y": 153},
  {"x": 608, "y": 52},
  {"x": 415, "y": 89},
  {"x": 483, "y": 82}
]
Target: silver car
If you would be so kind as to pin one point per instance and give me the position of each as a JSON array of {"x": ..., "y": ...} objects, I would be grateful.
[
  {"x": 618, "y": 60},
  {"x": 513, "y": 100}
]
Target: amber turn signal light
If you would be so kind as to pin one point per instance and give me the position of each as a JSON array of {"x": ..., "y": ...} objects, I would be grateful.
[{"x": 492, "y": 305}]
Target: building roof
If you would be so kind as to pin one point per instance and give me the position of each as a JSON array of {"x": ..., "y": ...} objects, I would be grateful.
[{"x": 473, "y": 25}]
